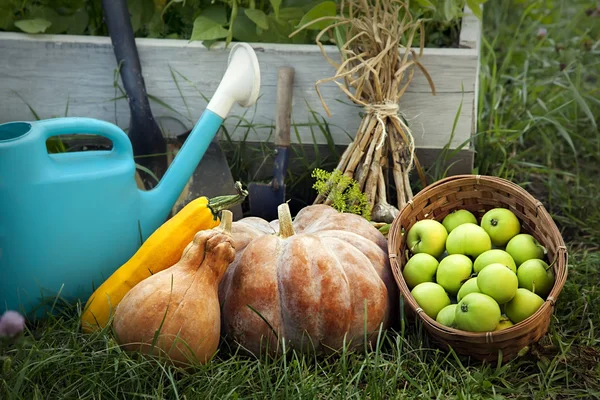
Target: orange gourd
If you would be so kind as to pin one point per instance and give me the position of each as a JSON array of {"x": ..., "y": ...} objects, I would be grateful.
[
  {"x": 161, "y": 250},
  {"x": 314, "y": 282},
  {"x": 176, "y": 311}
]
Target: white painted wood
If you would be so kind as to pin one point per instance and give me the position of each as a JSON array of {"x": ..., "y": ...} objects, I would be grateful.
[
  {"x": 47, "y": 71},
  {"x": 470, "y": 31},
  {"x": 470, "y": 37}
]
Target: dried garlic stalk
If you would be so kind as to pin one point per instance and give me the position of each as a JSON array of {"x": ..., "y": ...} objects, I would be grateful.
[{"x": 376, "y": 71}]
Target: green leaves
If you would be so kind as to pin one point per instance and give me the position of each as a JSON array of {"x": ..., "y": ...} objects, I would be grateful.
[
  {"x": 216, "y": 12},
  {"x": 258, "y": 17},
  {"x": 141, "y": 12},
  {"x": 344, "y": 192},
  {"x": 6, "y": 19},
  {"x": 325, "y": 9},
  {"x": 291, "y": 14},
  {"x": 45, "y": 19},
  {"x": 475, "y": 6},
  {"x": 425, "y": 4},
  {"x": 267, "y": 21},
  {"x": 36, "y": 25},
  {"x": 245, "y": 28},
  {"x": 207, "y": 29},
  {"x": 450, "y": 10},
  {"x": 276, "y": 4},
  {"x": 454, "y": 9}
]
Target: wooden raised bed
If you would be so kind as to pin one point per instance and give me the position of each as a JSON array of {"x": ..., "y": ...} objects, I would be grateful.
[{"x": 49, "y": 72}]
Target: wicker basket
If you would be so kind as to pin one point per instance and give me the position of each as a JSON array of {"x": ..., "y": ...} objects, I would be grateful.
[{"x": 478, "y": 194}]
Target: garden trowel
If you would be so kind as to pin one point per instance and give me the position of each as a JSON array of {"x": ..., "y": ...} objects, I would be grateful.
[
  {"x": 212, "y": 176},
  {"x": 149, "y": 145},
  {"x": 265, "y": 197}
]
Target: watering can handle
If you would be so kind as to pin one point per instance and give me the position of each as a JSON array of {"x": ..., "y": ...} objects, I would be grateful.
[{"x": 80, "y": 125}]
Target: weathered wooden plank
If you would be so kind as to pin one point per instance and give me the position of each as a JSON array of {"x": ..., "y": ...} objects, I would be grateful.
[
  {"x": 470, "y": 31},
  {"x": 47, "y": 71},
  {"x": 470, "y": 37}
]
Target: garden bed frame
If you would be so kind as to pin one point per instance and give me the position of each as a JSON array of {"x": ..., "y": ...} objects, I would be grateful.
[{"x": 59, "y": 75}]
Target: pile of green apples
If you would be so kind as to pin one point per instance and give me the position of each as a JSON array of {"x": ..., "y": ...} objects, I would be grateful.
[{"x": 477, "y": 276}]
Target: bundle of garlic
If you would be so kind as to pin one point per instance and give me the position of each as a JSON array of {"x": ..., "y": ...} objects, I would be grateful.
[{"x": 378, "y": 64}]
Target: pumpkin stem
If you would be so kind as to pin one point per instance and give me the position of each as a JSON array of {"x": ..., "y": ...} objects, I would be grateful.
[
  {"x": 226, "y": 219},
  {"x": 286, "y": 228},
  {"x": 216, "y": 204}
]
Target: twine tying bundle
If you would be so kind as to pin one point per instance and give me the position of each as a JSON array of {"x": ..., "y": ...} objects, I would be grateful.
[
  {"x": 392, "y": 110},
  {"x": 387, "y": 109},
  {"x": 375, "y": 76}
]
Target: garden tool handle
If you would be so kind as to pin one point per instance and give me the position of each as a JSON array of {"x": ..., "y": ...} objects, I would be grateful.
[
  {"x": 285, "y": 90},
  {"x": 118, "y": 23}
]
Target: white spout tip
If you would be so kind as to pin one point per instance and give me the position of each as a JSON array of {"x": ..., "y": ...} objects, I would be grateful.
[
  {"x": 240, "y": 83},
  {"x": 249, "y": 64}
]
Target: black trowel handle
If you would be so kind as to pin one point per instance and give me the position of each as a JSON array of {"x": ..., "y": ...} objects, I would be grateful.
[
  {"x": 145, "y": 134},
  {"x": 283, "y": 121},
  {"x": 118, "y": 23}
]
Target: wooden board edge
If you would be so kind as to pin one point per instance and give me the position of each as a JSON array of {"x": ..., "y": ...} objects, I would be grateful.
[
  {"x": 470, "y": 31},
  {"x": 59, "y": 39}
]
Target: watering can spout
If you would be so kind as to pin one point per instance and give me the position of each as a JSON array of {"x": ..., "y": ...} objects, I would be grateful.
[{"x": 240, "y": 84}]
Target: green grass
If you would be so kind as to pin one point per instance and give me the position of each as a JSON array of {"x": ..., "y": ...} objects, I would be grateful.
[
  {"x": 540, "y": 107},
  {"x": 538, "y": 126}
]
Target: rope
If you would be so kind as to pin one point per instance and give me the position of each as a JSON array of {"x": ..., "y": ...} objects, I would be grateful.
[
  {"x": 381, "y": 111},
  {"x": 389, "y": 109}
]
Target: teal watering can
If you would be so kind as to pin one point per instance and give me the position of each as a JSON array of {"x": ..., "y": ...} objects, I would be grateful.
[{"x": 69, "y": 220}]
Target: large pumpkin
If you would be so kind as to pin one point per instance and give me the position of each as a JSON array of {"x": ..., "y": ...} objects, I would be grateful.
[{"x": 307, "y": 282}]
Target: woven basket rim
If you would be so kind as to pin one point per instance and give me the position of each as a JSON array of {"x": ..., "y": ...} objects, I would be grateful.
[{"x": 561, "y": 260}]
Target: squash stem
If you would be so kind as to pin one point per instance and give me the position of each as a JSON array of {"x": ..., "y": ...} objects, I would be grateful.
[
  {"x": 286, "y": 228},
  {"x": 226, "y": 220},
  {"x": 216, "y": 204}
]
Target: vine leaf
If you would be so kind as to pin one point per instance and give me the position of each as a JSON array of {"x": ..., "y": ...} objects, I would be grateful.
[
  {"x": 36, "y": 25},
  {"x": 258, "y": 17},
  {"x": 325, "y": 9},
  {"x": 276, "y": 4},
  {"x": 207, "y": 29}
]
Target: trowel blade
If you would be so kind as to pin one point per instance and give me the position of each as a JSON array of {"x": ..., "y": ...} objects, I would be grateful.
[
  {"x": 211, "y": 178},
  {"x": 264, "y": 200}
]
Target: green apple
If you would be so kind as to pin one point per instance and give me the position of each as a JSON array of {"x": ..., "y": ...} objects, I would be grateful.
[
  {"x": 420, "y": 268},
  {"x": 446, "y": 315},
  {"x": 469, "y": 286},
  {"x": 431, "y": 297},
  {"x": 494, "y": 256},
  {"x": 458, "y": 217},
  {"x": 503, "y": 324},
  {"x": 477, "y": 312},
  {"x": 453, "y": 271},
  {"x": 536, "y": 275},
  {"x": 468, "y": 239},
  {"x": 523, "y": 305},
  {"x": 499, "y": 282},
  {"x": 501, "y": 224},
  {"x": 524, "y": 247},
  {"x": 427, "y": 236}
]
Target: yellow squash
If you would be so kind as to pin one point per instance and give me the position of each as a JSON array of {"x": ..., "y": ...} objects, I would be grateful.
[{"x": 160, "y": 251}]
